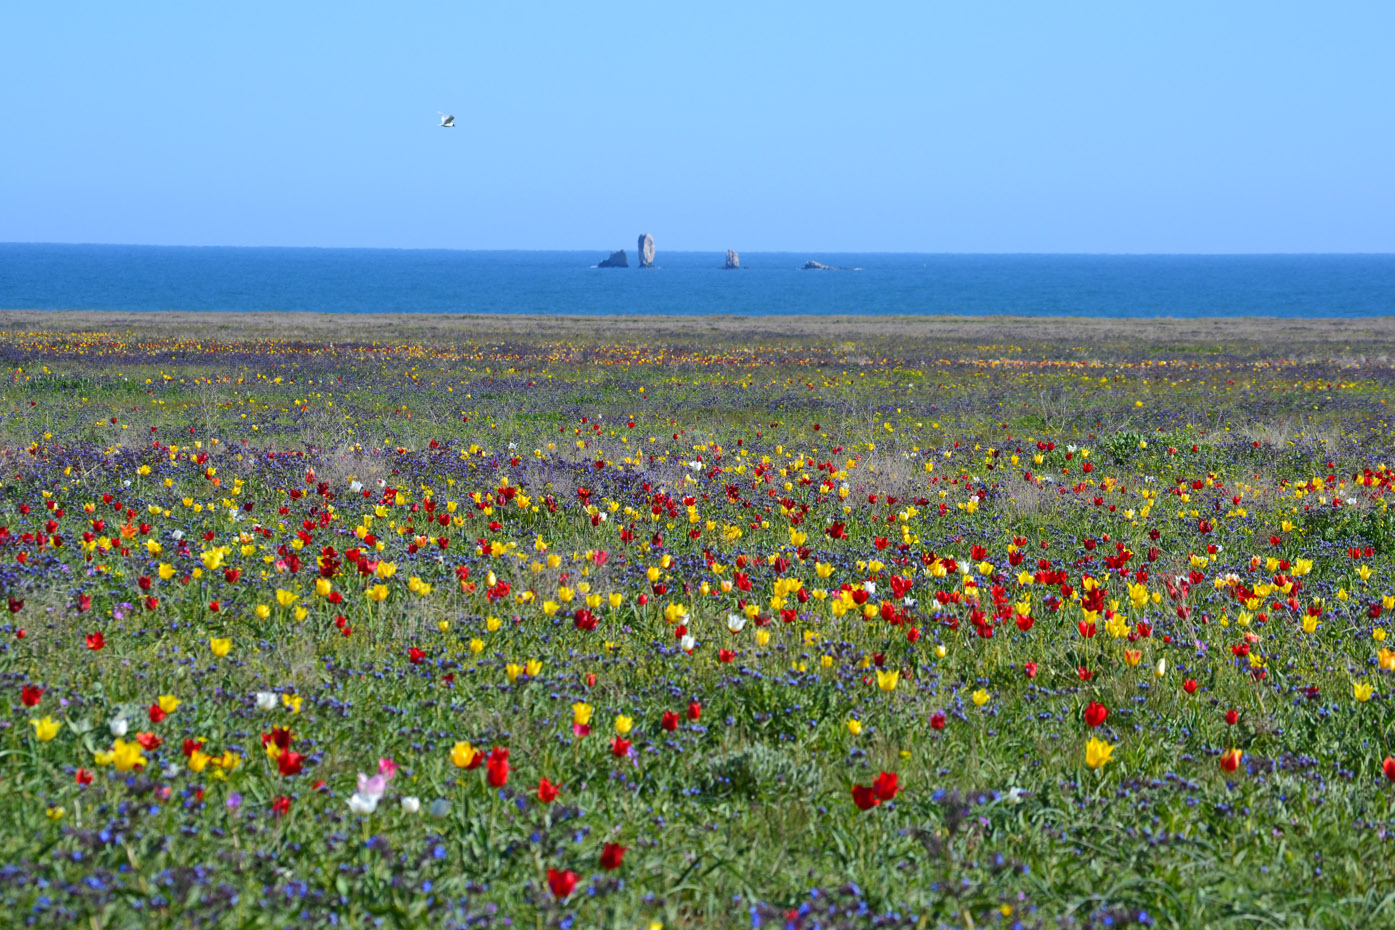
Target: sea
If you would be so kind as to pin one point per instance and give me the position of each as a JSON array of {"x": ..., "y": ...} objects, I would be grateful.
[{"x": 140, "y": 278}]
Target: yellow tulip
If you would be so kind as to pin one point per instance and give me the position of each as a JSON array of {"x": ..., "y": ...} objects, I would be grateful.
[
  {"x": 45, "y": 729},
  {"x": 462, "y": 755},
  {"x": 855, "y": 727},
  {"x": 980, "y": 697},
  {"x": 127, "y": 756},
  {"x": 887, "y": 680},
  {"x": 220, "y": 647},
  {"x": 1362, "y": 691},
  {"x": 1097, "y": 753},
  {"x": 623, "y": 724},
  {"x": 581, "y": 713},
  {"x": 169, "y": 703}
]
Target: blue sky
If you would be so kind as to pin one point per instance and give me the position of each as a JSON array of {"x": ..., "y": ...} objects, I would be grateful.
[{"x": 928, "y": 126}]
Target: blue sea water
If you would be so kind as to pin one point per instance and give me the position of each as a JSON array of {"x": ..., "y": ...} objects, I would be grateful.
[{"x": 119, "y": 277}]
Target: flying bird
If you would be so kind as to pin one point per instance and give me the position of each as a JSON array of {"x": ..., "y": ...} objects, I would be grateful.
[{"x": 447, "y": 122}]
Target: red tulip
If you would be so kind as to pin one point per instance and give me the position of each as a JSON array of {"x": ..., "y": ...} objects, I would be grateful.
[
  {"x": 619, "y": 746},
  {"x": 937, "y": 720},
  {"x": 561, "y": 884},
  {"x": 886, "y": 785},
  {"x": 281, "y": 806},
  {"x": 1189, "y": 686},
  {"x": 1095, "y": 714},
  {"x": 96, "y": 641},
  {"x": 1232, "y": 717},
  {"x": 864, "y": 797},
  {"x": 498, "y": 767},
  {"x": 1230, "y": 760},
  {"x": 281, "y": 736},
  {"x": 1389, "y": 767},
  {"x": 30, "y": 695},
  {"x": 694, "y": 711},
  {"x": 547, "y": 791},
  {"x": 670, "y": 721},
  {"x": 290, "y": 762},
  {"x": 612, "y": 856},
  {"x": 82, "y": 777}
]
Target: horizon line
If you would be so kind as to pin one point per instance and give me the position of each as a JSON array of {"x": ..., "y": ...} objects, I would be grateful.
[{"x": 692, "y": 251}]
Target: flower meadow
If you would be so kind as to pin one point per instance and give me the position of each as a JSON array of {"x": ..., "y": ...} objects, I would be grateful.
[{"x": 776, "y": 631}]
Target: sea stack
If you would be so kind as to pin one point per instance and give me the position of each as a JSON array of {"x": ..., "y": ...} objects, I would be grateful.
[
  {"x": 617, "y": 260},
  {"x": 733, "y": 260},
  {"x": 646, "y": 250}
]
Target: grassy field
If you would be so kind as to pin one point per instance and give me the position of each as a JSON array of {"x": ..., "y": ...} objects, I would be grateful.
[{"x": 488, "y": 622}]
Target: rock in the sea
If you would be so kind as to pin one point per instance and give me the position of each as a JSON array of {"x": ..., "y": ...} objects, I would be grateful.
[
  {"x": 817, "y": 266},
  {"x": 617, "y": 260},
  {"x": 733, "y": 260},
  {"x": 646, "y": 250}
]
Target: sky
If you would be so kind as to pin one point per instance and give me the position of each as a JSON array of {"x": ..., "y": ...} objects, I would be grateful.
[{"x": 923, "y": 126}]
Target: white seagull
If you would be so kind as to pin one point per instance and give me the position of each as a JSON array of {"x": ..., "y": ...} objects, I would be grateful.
[{"x": 447, "y": 122}]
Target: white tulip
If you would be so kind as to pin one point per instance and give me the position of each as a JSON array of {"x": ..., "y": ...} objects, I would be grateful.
[
  {"x": 411, "y": 805},
  {"x": 363, "y": 805},
  {"x": 266, "y": 700}
]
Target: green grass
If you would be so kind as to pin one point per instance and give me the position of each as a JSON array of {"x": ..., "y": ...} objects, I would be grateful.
[{"x": 749, "y": 809}]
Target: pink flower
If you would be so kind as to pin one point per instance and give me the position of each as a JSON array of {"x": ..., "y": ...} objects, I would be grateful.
[
  {"x": 371, "y": 787},
  {"x": 387, "y": 768}
]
